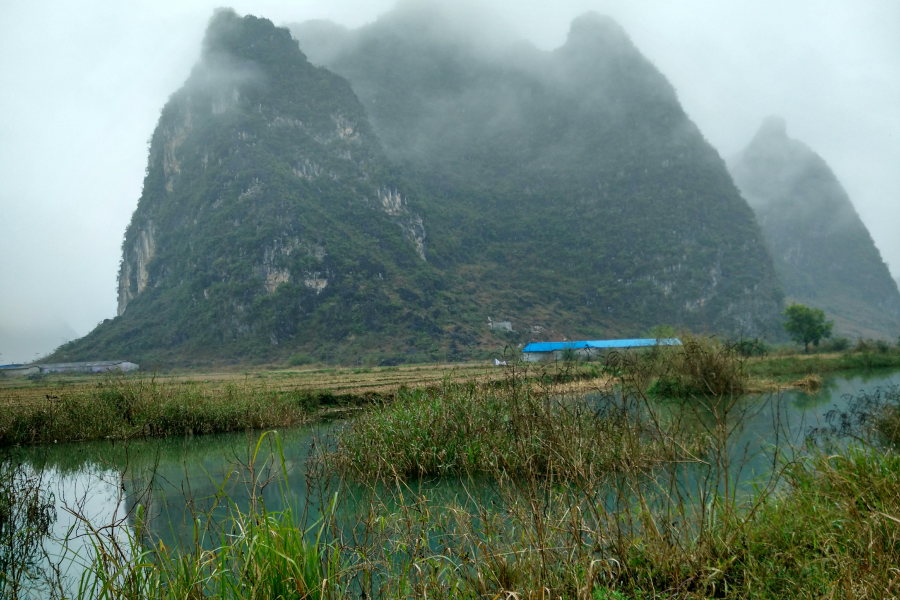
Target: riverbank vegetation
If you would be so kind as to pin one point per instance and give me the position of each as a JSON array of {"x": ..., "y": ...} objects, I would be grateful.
[
  {"x": 539, "y": 516},
  {"x": 125, "y": 407},
  {"x": 508, "y": 489},
  {"x": 58, "y": 409},
  {"x": 866, "y": 355}
]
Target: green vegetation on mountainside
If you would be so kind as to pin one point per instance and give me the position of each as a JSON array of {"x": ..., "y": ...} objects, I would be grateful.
[
  {"x": 565, "y": 191},
  {"x": 574, "y": 179},
  {"x": 822, "y": 251},
  {"x": 270, "y": 223}
]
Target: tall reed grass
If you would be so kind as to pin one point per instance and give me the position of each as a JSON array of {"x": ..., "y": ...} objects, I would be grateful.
[
  {"x": 26, "y": 516},
  {"x": 251, "y": 552},
  {"x": 466, "y": 429}
]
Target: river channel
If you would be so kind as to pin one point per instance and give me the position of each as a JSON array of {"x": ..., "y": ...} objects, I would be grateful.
[{"x": 99, "y": 483}]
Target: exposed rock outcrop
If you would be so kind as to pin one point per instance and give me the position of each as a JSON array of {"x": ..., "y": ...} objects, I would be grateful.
[{"x": 134, "y": 274}]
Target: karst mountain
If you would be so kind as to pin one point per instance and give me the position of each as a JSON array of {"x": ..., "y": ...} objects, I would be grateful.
[
  {"x": 822, "y": 251},
  {"x": 411, "y": 187}
]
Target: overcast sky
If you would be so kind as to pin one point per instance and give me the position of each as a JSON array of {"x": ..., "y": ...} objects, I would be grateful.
[{"x": 82, "y": 84}]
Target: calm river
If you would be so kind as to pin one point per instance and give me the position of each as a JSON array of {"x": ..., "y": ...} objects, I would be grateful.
[{"x": 102, "y": 481}]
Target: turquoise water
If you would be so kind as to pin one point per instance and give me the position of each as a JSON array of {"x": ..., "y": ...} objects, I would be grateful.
[{"x": 181, "y": 480}]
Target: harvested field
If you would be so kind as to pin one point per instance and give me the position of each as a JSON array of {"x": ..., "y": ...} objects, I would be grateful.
[{"x": 338, "y": 381}]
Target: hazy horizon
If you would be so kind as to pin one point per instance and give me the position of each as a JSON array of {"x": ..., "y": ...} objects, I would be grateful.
[{"x": 82, "y": 89}]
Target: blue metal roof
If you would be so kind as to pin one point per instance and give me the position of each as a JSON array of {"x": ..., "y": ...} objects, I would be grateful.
[{"x": 598, "y": 344}]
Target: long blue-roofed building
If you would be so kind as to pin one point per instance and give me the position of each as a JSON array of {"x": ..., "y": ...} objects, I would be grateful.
[{"x": 555, "y": 350}]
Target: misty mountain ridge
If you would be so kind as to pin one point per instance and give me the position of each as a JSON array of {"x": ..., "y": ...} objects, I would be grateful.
[
  {"x": 823, "y": 252},
  {"x": 578, "y": 144},
  {"x": 387, "y": 205}
]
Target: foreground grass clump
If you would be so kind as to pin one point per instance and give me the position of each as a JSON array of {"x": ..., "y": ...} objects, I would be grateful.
[
  {"x": 835, "y": 531},
  {"x": 251, "y": 553},
  {"x": 124, "y": 407},
  {"x": 832, "y": 531},
  {"x": 515, "y": 428}
]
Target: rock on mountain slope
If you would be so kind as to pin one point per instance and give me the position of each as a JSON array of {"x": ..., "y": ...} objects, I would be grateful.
[
  {"x": 269, "y": 220},
  {"x": 564, "y": 191},
  {"x": 572, "y": 184},
  {"x": 823, "y": 252}
]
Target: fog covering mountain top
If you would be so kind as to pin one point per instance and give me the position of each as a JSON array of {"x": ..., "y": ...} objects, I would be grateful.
[
  {"x": 288, "y": 215},
  {"x": 575, "y": 172},
  {"x": 823, "y": 252},
  {"x": 432, "y": 84}
]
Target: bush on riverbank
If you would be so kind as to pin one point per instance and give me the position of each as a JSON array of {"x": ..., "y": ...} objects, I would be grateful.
[{"x": 699, "y": 367}]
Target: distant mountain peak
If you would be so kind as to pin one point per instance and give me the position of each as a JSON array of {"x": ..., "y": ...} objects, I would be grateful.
[
  {"x": 822, "y": 250},
  {"x": 592, "y": 28},
  {"x": 248, "y": 37},
  {"x": 773, "y": 128},
  {"x": 379, "y": 209},
  {"x": 269, "y": 218}
]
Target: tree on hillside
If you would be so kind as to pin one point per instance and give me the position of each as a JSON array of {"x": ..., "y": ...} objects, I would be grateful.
[{"x": 805, "y": 324}]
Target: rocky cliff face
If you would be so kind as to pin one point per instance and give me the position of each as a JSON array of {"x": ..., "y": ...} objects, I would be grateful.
[
  {"x": 133, "y": 273},
  {"x": 270, "y": 220},
  {"x": 823, "y": 252}
]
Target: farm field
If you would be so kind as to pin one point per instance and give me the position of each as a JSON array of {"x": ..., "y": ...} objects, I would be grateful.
[{"x": 338, "y": 381}]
